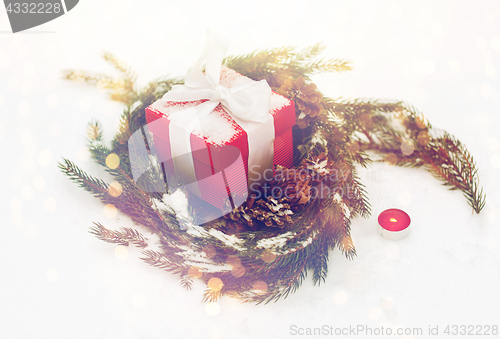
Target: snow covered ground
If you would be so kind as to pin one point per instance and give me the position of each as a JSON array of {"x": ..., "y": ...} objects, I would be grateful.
[{"x": 59, "y": 281}]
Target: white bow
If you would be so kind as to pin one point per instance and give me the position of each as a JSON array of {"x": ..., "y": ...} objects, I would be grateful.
[{"x": 247, "y": 102}]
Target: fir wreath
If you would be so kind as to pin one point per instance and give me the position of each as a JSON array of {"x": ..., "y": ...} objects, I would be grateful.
[{"x": 262, "y": 250}]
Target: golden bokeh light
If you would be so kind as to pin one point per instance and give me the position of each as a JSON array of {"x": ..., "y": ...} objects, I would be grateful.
[
  {"x": 85, "y": 103},
  {"x": 423, "y": 138},
  {"x": 112, "y": 161},
  {"x": 195, "y": 272},
  {"x": 16, "y": 219},
  {"x": 27, "y": 137},
  {"x": 407, "y": 147},
  {"x": 340, "y": 297},
  {"x": 27, "y": 192},
  {"x": 238, "y": 271},
  {"x": 375, "y": 313},
  {"x": 268, "y": 256},
  {"x": 215, "y": 284},
  {"x": 260, "y": 286},
  {"x": 39, "y": 183},
  {"x": 391, "y": 158},
  {"x": 110, "y": 211},
  {"x": 210, "y": 251},
  {"x": 16, "y": 205},
  {"x": 212, "y": 308},
  {"x": 115, "y": 189},
  {"x": 393, "y": 220},
  {"x": 44, "y": 158},
  {"x": 233, "y": 261},
  {"x": 121, "y": 252},
  {"x": 387, "y": 304}
]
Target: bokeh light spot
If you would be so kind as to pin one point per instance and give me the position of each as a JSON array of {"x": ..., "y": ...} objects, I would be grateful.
[
  {"x": 112, "y": 161},
  {"x": 238, "y": 271},
  {"x": 375, "y": 313},
  {"x": 16, "y": 205},
  {"x": 194, "y": 272},
  {"x": 52, "y": 100},
  {"x": 212, "y": 308},
  {"x": 421, "y": 122},
  {"x": 490, "y": 70},
  {"x": 115, "y": 189},
  {"x": 210, "y": 251},
  {"x": 387, "y": 304},
  {"x": 215, "y": 284},
  {"x": 23, "y": 108},
  {"x": 495, "y": 43},
  {"x": 16, "y": 180},
  {"x": 268, "y": 256},
  {"x": 423, "y": 138},
  {"x": 26, "y": 87},
  {"x": 39, "y": 183},
  {"x": 50, "y": 204},
  {"x": 110, "y": 211},
  {"x": 44, "y": 158},
  {"x": 486, "y": 90},
  {"x": 260, "y": 286},
  {"x": 52, "y": 275},
  {"x": 83, "y": 153},
  {"x": 495, "y": 161},
  {"x": 391, "y": 158},
  {"x": 121, "y": 252},
  {"x": 29, "y": 69},
  {"x": 233, "y": 261},
  {"x": 27, "y": 137},
  {"x": 340, "y": 297},
  {"x": 407, "y": 147},
  {"x": 16, "y": 219},
  {"x": 55, "y": 129},
  {"x": 27, "y": 192},
  {"x": 85, "y": 103}
]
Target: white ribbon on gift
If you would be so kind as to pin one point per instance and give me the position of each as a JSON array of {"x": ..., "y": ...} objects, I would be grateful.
[{"x": 247, "y": 103}]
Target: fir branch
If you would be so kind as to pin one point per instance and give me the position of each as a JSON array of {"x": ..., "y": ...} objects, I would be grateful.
[
  {"x": 97, "y": 187},
  {"x": 210, "y": 295},
  {"x": 186, "y": 282},
  {"x": 124, "y": 237},
  {"x": 163, "y": 262},
  {"x": 450, "y": 161}
]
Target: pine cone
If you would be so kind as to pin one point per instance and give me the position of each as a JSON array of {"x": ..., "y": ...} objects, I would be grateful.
[
  {"x": 272, "y": 212},
  {"x": 289, "y": 190}
]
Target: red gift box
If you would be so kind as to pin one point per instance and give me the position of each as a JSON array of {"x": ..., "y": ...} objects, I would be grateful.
[{"x": 221, "y": 142}]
